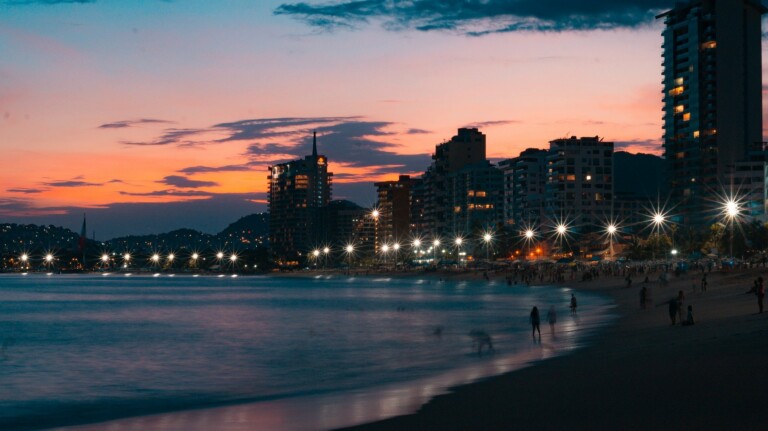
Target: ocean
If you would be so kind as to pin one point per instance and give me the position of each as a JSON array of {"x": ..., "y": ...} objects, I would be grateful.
[{"x": 79, "y": 349}]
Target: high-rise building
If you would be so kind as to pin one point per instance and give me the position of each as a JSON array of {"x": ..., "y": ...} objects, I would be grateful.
[
  {"x": 580, "y": 182},
  {"x": 394, "y": 206},
  {"x": 712, "y": 100},
  {"x": 298, "y": 191},
  {"x": 524, "y": 187},
  {"x": 460, "y": 167}
]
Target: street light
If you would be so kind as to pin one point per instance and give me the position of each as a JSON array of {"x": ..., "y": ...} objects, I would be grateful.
[
  {"x": 435, "y": 245},
  {"x": 326, "y": 250},
  {"x": 349, "y": 249},
  {"x": 487, "y": 238},
  {"x": 731, "y": 210},
  {"x": 105, "y": 260},
  {"x": 611, "y": 230},
  {"x": 316, "y": 253}
]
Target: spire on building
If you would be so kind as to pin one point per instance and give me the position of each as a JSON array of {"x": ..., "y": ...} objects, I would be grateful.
[{"x": 314, "y": 143}]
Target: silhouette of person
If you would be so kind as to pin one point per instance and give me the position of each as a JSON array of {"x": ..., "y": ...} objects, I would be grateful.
[
  {"x": 760, "y": 293},
  {"x": 704, "y": 283},
  {"x": 689, "y": 319},
  {"x": 535, "y": 321},
  {"x": 680, "y": 299},
  {"x": 573, "y": 303},
  {"x": 673, "y": 307},
  {"x": 552, "y": 318}
]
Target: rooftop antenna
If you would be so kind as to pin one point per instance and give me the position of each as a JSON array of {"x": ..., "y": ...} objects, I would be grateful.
[{"x": 314, "y": 143}]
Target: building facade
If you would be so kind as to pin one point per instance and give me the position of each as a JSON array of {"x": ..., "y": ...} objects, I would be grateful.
[
  {"x": 394, "y": 207},
  {"x": 579, "y": 189},
  {"x": 298, "y": 192},
  {"x": 712, "y": 99},
  {"x": 460, "y": 190}
]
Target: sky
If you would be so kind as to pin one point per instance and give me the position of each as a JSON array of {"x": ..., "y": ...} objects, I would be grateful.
[{"x": 149, "y": 116}]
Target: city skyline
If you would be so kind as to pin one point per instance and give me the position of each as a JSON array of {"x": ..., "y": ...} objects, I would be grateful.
[{"x": 167, "y": 115}]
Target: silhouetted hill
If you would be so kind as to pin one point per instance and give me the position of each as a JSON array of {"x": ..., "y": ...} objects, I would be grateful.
[
  {"x": 252, "y": 230},
  {"x": 640, "y": 175}
]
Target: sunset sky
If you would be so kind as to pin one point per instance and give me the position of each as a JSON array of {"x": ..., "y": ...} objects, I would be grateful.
[{"x": 155, "y": 115}]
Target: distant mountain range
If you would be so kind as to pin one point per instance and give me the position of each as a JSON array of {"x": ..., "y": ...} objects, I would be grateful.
[{"x": 248, "y": 232}]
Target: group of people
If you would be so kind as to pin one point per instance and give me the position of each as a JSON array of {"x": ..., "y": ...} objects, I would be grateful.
[
  {"x": 676, "y": 310},
  {"x": 551, "y": 317}
]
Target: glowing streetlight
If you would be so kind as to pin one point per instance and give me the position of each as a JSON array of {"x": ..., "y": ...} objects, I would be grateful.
[
  {"x": 731, "y": 211},
  {"x": 49, "y": 258},
  {"x": 487, "y": 238},
  {"x": 529, "y": 234},
  {"x": 171, "y": 257},
  {"x": 233, "y": 258},
  {"x": 416, "y": 243},
  {"x": 155, "y": 259},
  {"x": 435, "y": 245},
  {"x": 326, "y": 250},
  {"x": 219, "y": 255},
  {"x": 349, "y": 249},
  {"x": 195, "y": 256}
]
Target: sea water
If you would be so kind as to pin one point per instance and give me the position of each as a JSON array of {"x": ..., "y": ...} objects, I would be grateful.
[{"x": 89, "y": 348}]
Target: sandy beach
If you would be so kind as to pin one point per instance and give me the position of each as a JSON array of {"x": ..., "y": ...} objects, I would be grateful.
[{"x": 640, "y": 373}]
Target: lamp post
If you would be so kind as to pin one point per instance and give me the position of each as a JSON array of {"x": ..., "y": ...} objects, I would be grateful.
[
  {"x": 326, "y": 250},
  {"x": 458, "y": 241},
  {"x": 731, "y": 209},
  {"x": 435, "y": 245},
  {"x": 233, "y": 261},
  {"x": 611, "y": 231},
  {"x": 105, "y": 261},
  {"x": 220, "y": 258},
  {"x": 487, "y": 238},
  {"x": 316, "y": 256},
  {"x": 395, "y": 249},
  {"x": 349, "y": 249}
]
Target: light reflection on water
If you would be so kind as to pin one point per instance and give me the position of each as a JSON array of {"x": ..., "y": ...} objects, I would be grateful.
[{"x": 140, "y": 345}]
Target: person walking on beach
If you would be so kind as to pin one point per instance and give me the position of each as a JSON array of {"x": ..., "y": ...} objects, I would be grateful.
[
  {"x": 673, "y": 307},
  {"x": 760, "y": 293},
  {"x": 704, "y": 283},
  {"x": 552, "y": 318},
  {"x": 535, "y": 321},
  {"x": 680, "y": 299},
  {"x": 573, "y": 303},
  {"x": 643, "y": 297}
]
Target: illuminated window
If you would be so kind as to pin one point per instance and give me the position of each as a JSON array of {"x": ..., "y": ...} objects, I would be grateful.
[
  {"x": 457, "y": 209},
  {"x": 687, "y": 116},
  {"x": 709, "y": 45},
  {"x": 677, "y": 91},
  {"x": 471, "y": 193},
  {"x": 589, "y": 177},
  {"x": 695, "y": 133},
  {"x": 679, "y": 81},
  {"x": 679, "y": 109},
  {"x": 480, "y": 194},
  {"x": 680, "y": 155}
]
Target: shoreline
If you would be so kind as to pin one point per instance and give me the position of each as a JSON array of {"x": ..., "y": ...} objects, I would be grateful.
[{"x": 639, "y": 373}]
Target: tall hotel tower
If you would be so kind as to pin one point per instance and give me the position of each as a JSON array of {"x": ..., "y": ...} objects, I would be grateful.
[
  {"x": 712, "y": 101},
  {"x": 298, "y": 191}
]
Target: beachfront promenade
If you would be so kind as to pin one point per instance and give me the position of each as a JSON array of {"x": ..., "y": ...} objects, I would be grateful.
[{"x": 641, "y": 373}]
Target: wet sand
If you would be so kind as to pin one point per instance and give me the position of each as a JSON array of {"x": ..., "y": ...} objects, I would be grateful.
[{"x": 641, "y": 373}]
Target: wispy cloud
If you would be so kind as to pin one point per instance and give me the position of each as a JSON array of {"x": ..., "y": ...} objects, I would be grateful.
[
  {"x": 207, "y": 169},
  {"x": 171, "y": 136},
  {"x": 473, "y": 17},
  {"x": 72, "y": 183},
  {"x": 130, "y": 123},
  {"x": 186, "y": 183},
  {"x": 491, "y": 123},
  {"x": 169, "y": 192},
  {"x": 26, "y": 191}
]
